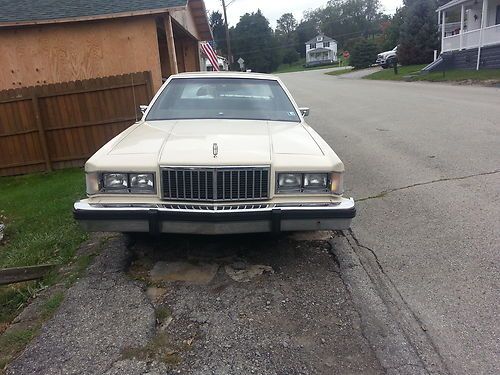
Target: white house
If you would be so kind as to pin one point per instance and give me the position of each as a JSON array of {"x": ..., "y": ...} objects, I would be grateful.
[
  {"x": 321, "y": 50},
  {"x": 474, "y": 41}
]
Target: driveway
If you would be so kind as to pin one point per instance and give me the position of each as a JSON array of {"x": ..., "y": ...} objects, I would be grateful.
[{"x": 423, "y": 162}]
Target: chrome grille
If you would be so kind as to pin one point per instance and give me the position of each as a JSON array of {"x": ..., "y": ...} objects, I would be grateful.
[{"x": 215, "y": 184}]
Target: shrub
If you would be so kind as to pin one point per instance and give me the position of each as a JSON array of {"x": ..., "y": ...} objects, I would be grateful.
[{"x": 363, "y": 54}]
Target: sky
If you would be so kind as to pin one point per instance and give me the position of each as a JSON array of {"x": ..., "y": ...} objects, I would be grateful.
[{"x": 273, "y": 9}]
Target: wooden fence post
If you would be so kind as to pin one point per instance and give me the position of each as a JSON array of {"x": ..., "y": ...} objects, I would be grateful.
[
  {"x": 149, "y": 85},
  {"x": 41, "y": 132}
]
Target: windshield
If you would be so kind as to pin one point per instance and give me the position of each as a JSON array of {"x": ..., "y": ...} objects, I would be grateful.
[{"x": 223, "y": 98}]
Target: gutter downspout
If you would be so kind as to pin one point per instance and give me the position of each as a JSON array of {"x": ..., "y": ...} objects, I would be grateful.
[{"x": 484, "y": 16}]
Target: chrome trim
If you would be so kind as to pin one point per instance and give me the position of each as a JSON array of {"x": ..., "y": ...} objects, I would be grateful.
[{"x": 345, "y": 203}]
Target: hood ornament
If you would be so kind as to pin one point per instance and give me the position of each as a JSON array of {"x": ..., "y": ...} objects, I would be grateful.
[{"x": 215, "y": 150}]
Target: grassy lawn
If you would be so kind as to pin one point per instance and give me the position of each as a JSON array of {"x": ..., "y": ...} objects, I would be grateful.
[
  {"x": 454, "y": 75},
  {"x": 39, "y": 219},
  {"x": 37, "y": 211},
  {"x": 298, "y": 66}
]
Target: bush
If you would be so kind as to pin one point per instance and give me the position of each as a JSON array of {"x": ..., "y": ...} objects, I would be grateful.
[{"x": 363, "y": 54}]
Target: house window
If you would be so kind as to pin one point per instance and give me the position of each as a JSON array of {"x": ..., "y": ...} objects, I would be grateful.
[
  {"x": 312, "y": 45},
  {"x": 326, "y": 44},
  {"x": 319, "y": 39}
]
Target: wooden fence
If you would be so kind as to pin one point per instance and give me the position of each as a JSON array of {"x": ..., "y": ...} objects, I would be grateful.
[{"x": 61, "y": 125}]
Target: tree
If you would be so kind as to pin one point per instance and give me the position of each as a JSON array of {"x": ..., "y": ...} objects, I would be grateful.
[
  {"x": 286, "y": 25},
  {"x": 254, "y": 41},
  {"x": 287, "y": 37},
  {"x": 219, "y": 31},
  {"x": 418, "y": 36},
  {"x": 393, "y": 30},
  {"x": 363, "y": 54}
]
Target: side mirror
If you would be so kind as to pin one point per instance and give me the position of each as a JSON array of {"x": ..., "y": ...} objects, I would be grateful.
[
  {"x": 304, "y": 111},
  {"x": 143, "y": 108}
]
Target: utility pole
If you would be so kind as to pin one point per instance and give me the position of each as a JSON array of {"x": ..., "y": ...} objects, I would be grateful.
[{"x": 228, "y": 42}]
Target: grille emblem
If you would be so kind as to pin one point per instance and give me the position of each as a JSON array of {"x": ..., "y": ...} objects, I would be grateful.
[{"x": 215, "y": 150}]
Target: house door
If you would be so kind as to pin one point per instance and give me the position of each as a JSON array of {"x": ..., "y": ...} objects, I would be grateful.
[{"x": 497, "y": 20}]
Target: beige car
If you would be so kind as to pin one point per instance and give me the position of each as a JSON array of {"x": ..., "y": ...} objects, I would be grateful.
[{"x": 216, "y": 153}]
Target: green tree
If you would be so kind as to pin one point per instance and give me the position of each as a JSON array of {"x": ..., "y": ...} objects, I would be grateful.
[
  {"x": 219, "y": 31},
  {"x": 418, "y": 36},
  {"x": 393, "y": 29},
  {"x": 254, "y": 41},
  {"x": 363, "y": 54},
  {"x": 287, "y": 37},
  {"x": 286, "y": 25}
]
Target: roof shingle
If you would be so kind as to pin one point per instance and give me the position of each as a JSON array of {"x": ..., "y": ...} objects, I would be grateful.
[{"x": 19, "y": 11}]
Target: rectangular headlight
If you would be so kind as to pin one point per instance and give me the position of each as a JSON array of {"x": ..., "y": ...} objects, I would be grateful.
[
  {"x": 115, "y": 181},
  {"x": 316, "y": 181},
  {"x": 141, "y": 182},
  {"x": 289, "y": 182}
]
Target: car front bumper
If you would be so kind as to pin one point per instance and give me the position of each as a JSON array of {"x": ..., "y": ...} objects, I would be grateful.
[{"x": 167, "y": 218}]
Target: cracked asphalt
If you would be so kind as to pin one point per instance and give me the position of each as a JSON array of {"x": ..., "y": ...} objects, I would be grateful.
[{"x": 422, "y": 161}]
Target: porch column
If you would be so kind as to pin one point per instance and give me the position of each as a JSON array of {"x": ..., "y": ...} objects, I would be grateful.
[
  {"x": 172, "y": 57},
  {"x": 443, "y": 24},
  {"x": 484, "y": 18},
  {"x": 462, "y": 17}
]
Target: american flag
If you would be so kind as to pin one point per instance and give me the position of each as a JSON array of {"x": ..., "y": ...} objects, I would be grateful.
[{"x": 212, "y": 56}]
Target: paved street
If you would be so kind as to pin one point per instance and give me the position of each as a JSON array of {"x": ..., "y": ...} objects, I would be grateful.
[{"x": 423, "y": 162}]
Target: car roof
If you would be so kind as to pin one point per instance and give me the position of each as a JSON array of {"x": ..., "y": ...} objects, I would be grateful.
[{"x": 225, "y": 74}]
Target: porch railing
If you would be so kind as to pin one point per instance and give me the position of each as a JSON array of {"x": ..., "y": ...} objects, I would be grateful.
[{"x": 491, "y": 35}]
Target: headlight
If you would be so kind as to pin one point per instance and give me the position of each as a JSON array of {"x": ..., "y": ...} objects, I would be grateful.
[
  {"x": 135, "y": 183},
  {"x": 289, "y": 182},
  {"x": 316, "y": 181},
  {"x": 310, "y": 183},
  {"x": 141, "y": 182},
  {"x": 115, "y": 181}
]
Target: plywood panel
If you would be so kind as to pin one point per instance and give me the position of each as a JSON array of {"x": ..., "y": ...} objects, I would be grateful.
[{"x": 77, "y": 51}]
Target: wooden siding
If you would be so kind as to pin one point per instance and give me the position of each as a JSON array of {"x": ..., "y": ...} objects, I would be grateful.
[
  {"x": 62, "y": 125},
  {"x": 46, "y": 54}
]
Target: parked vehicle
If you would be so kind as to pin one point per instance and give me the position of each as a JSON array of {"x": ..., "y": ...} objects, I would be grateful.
[
  {"x": 388, "y": 58},
  {"x": 216, "y": 153}
]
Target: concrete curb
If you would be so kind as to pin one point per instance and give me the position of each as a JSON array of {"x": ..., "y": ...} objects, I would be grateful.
[{"x": 387, "y": 324}]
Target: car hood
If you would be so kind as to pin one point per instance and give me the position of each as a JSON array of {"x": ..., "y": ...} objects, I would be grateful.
[{"x": 235, "y": 142}]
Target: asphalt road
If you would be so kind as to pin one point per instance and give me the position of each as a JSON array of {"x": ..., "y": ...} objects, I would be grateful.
[{"x": 423, "y": 161}]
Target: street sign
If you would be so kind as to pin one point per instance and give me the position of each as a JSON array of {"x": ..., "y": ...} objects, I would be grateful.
[
  {"x": 241, "y": 62},
  {"x": 346, "y": 54}
]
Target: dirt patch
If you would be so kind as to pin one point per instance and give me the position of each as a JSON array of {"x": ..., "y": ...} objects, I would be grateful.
[{"x": 276, "y": 305}]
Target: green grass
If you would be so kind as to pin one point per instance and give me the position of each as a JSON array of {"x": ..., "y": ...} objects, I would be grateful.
[
  {"x": 52, "y": 304},
  {"x": 339, "y": 72},
  {"x": 454, "y": 75},
  {"x": 38, "y": 211},
  {"x": 298, "y": 66}
]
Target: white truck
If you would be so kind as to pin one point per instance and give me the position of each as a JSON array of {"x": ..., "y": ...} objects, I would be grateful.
[{"x": 388, "y": 58}]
